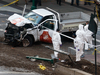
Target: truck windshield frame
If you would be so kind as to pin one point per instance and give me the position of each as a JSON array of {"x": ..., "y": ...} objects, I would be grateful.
[{"x": 34, "y": 18}]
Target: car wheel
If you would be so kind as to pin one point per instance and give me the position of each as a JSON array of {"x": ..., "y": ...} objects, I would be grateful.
[{"x": 27, "y": 41}]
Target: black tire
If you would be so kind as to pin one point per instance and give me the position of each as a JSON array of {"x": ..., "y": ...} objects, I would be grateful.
[{"x": 27, "y": 41}]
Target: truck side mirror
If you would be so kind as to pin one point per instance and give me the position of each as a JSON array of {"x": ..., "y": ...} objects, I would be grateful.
[{"x": 40, "y": 28}]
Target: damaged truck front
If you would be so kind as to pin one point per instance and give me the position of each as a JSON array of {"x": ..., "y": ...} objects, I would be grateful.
[
  {"x": 28, "y": 29},
  {"x": 16, "y": 30},
  {"x": 39, "y": 25}
]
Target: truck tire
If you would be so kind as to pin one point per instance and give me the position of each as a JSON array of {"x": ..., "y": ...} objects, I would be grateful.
[{"x": 27, "y": 41}]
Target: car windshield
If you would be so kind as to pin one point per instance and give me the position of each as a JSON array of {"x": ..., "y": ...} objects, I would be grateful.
[{"x": 33, "y": 17}]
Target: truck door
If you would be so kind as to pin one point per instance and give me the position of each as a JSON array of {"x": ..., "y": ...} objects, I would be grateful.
[{"x": 46, "y": 30}]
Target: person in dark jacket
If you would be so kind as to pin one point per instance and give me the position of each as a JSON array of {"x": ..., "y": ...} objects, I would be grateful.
[
  {"x": 85, "y": 3},
  {"x": 59, "y": 2},
  {"x": 39, "y": 2},
  {"x": 77, "y": 2},
  {"x": 30, "y": 1}
]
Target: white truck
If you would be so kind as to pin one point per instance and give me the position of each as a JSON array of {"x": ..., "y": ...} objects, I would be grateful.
[{"x": 39, "y": 24}]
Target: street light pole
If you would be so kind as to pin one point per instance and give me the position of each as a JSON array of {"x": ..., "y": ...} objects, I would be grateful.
[
  {"x": 33, "y": 5},
  {"x": 95, "y": 49}
]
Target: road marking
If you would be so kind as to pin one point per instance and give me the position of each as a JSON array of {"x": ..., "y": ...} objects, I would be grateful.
[
  {"x": 3, "y": 14},
  {"x": 2, "y": 30},
  {"x": 9, "y": 3},
  {"x": 98, "y": 28},
  {"x": 3, "y": 21},
  {"x": 21, "y": 73},
  {"x": 97, "y": 40},
  {"x": 3, "y": 24}
]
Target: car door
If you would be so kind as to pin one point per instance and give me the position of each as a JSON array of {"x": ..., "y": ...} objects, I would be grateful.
[{"x": 46, "y": 30}]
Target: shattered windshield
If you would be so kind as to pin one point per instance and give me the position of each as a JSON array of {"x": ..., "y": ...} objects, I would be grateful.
[{"x": 33, "y": 17}]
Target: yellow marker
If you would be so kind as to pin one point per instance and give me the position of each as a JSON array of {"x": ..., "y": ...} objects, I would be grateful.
[
  {"x": 9, "y": 3},
  {"x": 82, "y": 0},
  {"x": 96, "y": 50},
  {"x": 3, "y": 21},
  {"x": 93, "y": 52},
  {"x": 97, "y": 13},
  {"x": 87, "y": 1},
  {"x": 42, "y": 67}
]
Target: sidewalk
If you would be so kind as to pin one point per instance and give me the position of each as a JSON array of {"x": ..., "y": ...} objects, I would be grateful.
[
  {"x": 65, "y": 7},
  {"x": 82, "y": 6},
  {"x": 18, "y": 73}
]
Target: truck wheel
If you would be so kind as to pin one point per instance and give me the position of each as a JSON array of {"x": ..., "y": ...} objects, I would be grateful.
[{"x": 27, "y": 42}]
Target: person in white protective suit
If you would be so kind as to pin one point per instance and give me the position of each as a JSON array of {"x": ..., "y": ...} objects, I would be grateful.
[
  {"x": 79, "y": 42},
  {"x": 56, "y": 40},
  {"x": 88, "y": 37},
  {"x": 86, "y": 43}
]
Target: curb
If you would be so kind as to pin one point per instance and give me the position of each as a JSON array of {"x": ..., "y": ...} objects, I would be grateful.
[{"x": 69, "y": 71}]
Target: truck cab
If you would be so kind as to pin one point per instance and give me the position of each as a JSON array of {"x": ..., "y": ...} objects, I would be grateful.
[{"x": 37, "y": 25}]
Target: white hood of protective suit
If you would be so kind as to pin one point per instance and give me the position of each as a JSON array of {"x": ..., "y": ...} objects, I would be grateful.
[
  {"x": 80, "y": 27},
  {"x": 80, "y": 32},
  {"x": 86, "y": 28},
  {"x": 87, "y": 31},
  {"x": 18, "y": 20}
]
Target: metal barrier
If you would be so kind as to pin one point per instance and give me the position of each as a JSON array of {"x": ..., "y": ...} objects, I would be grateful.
[{"x": 71, "y": 50}]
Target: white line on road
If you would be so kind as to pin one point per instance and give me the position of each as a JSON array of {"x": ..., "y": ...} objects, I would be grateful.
[
  {"x": 97, "y": 40},
  {"x": 20, "y": 73},
  {"x": 4, "y": 14},
  {"x": 2, "y": 24},
  {"x": 2, "y": 30}
]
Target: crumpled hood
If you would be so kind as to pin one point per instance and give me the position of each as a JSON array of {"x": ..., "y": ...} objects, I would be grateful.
[{"x": 18, "y": 20}]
